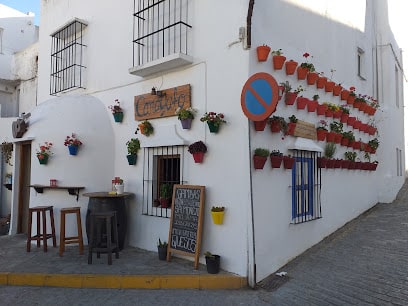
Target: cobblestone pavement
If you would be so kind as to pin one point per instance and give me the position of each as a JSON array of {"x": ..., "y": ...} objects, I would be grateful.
[{"x": 363, "y": 263}]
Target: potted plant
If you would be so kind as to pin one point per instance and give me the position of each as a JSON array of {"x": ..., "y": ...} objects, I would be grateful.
[
  {"x": 351, "y": 95},
  {"x": 351, "y": 157},
  {"x": 329, "y": 150},
  {"x": 6, "y": 149},
  {"x": 336, "y": 129},
  {"x": 329, "y": 86},
  {"x": 145, "y": 128},
  {"x": 260, "y": 125},
  {"x": 162, "y": 249},
  {"x": 292, "y": 125},
  {"x": 214, "y": 121},
  {"x": 263, "y": 52},
  {"x": 278, "y": 124},
  {"x": 118, "y": 185},
  {"x": 288, "y": 161},
  {"x": 347, "y": 138},
  {"x": 278, "y": 59},
  {"x": 260, "y": 157},
  {"x": 312, "y": 104},
  {"x": 73, "y": 144},
  {"x": 321, "y": 130},
  {"x": 186, "y": 116},
  {"x": 276, "y": 158},
  {"x": 290, "y": 67},
  {"x": 133, "y": 147},
  {"x": 305, "y": 69},
  {"x": 213, "y": 262},
  {"x": 44, "y": 152},
  {"x": 290, "y": 94},
  {"x": 217, "y": 214},
  {"x": 197, "y": 149},
  {"x": 166, "y": 192},
  {"x": 117, "y": 111},
  {"x": 345, "y": 113},
  {"x": 373, "y": 144}
]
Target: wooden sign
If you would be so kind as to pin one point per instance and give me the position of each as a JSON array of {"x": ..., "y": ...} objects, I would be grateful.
[
  {"x": 150, "y": 106},
  {"x": 305, "y": 130},
  {"x": 186, "y": 221}
]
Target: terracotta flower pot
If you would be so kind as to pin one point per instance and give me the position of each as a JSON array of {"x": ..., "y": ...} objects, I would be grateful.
[
  {"x": 312, "y": 105},
  {"x": 291, "y": 128},
  {"x": 330, "y": 136},
  {"x": 350, "y": 99},
  {"x": 198, "y": 157},
  {"x": 329, "y": 86},
  {"x": 263, "y": 53},
  {"x": 278, "y": 61},
  {"x": 312, "y": 78},
  {"x": 275, "y": 127},
  {"x": 321, "y": 109},
  {"x": 259, "y": 161},
  {"x": 321, "y": 82},
  {"x": 344, "y": 117},
  {"x": 337, "y": 90},
  {"x": 290, "y": 67},
  {"x": 260, "y": 125},
  {"x": 337, "y": 114},
  {"x": 302, "y": 73},
  {"x": 290, "y": 98},
  {"x": 276, "y": 161},
  {"x": 302, "y": 102},
  {"x": 288, "y": 162},
  {"x": 345, "y": 141},
  {"x": 322, "y": 162},
  {"x": 351, "y": 120},
  {"x": 321, "y": 134},
  {"x": 337, "y": 137},
  {"x": 344, "y": 94}
]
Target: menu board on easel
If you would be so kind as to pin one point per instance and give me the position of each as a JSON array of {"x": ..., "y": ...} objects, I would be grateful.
[{"x": 186, "y": 221}]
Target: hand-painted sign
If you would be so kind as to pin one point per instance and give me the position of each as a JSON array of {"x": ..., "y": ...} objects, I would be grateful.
[
  {"x": 150, "y": 106},
  {"x": 305, "y": 130},
  {"x": 259, "y": 96}
]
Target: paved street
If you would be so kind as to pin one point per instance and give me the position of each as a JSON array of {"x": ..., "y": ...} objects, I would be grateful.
[{"x": 364, "y": 263}]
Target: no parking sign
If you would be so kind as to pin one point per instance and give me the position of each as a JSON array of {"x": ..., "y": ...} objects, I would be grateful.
[{"x": 259, "y": 96}]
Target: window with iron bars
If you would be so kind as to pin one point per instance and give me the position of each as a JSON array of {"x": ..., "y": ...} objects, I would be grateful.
[
  {"x": 67, "y": 57},
  {"x": 160, "y": 29},
  {"x": 306, "y": 187},
  {"x": 161, "y": 166}
]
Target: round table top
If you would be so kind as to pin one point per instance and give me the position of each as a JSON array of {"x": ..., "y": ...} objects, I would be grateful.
[{"x": 105, "y": 194}]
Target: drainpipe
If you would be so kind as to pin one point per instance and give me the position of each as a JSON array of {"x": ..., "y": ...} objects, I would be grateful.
[{"x": 249, "y": 23}]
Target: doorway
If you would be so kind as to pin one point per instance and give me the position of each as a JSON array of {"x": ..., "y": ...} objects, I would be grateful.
[{"x": 24, "y": 179}]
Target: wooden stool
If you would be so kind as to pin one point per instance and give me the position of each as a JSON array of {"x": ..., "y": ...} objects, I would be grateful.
[
  {"x": 41, "y": 210},
  {"x": 74, "y": 239},
  {"x": 101, "y": 240}
]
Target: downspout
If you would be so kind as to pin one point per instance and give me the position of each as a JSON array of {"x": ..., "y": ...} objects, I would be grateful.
[{"x": 251, "y": 227}]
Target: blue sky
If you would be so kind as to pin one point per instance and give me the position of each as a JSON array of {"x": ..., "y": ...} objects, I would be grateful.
[{"x": 25, "y": 6}]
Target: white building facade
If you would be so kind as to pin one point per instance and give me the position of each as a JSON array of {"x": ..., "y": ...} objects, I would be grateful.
[{"x": 91, "y": 55}]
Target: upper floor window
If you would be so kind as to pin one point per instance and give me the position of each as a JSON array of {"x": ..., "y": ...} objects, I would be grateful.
[
  {"x": 161, "y": 29},
  {"x": 361, "y": 63},
  {"x": 67, "y": 57}
]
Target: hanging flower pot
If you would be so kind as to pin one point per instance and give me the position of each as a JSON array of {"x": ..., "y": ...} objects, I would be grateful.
[
  {"x": 330, "y": 163},
  {"x": 321, "y": 109},
  {"x": 186, "y": 123},
  {"x": 291, "y": 128},
  {"x": 213, "y": 127},
  {"x": 43, "y": 159},
  {"x": 290, "y": 67},
  {"x": 263, "y": 52},
  {"x": 118, "y": 117},
  {"x": 276, "y": 160},
  {"x": 344, "y": 117},
  {"x": 321, "y": 134},
  {"x": 278, "y": 61},
  {"x": 73, "y": 150},
  {"x": 260, "y": 125},
  {"x": 330, "y": 136},
  {"x": 198, "y": 157},
  {"x": 259, "y": 161},
  {"x": 312, "y": 105},
  {"x": 345, "y": 164},
  {"x": 322, "y": 162},
  {"x": 312, "y": 78},
  {"x": 329, "y": 86},
  {"x": 302, "y": 102},
  {"x": 345, "y": 141},
  {"x": 321, "y": 82},
  {"x": 337, "y": 90},
  {"x": 350, "y": 99},
  {"x": 302, "y": 72},
  {"x": 217, "y": 214},
  {"x": 344, "y": 94},
  {"x": 351, "y": 120},
  {"x": 275, "y": 126},
  {"x": 357, "y": 145},
  {"x": 357, "y": 124},
  {"x": 290, "y": 98},
  {"x": 337, "y": 137},
  {"x": 328, "y": 113},
  {"x": 288, "y": 162},
  {"x": 131, "y": 159}
]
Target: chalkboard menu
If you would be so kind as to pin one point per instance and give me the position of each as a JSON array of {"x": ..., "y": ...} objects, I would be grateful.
[{"x": 186, "y": 221}]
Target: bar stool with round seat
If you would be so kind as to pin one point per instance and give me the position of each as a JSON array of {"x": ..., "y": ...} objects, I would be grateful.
[
  {"x": 44, "y": 236},
  {"x": 100, "y": 239},
  {"x": 73, "y": 239}
]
